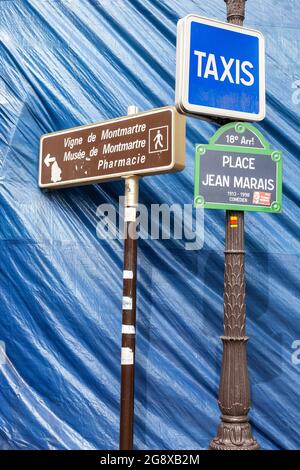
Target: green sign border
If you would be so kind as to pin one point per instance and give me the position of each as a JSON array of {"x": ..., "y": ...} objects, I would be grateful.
[{"x": 276, "y": 156}]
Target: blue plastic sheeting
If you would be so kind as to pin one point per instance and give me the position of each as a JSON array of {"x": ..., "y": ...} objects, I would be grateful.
[{"x": 68, "y": 63}]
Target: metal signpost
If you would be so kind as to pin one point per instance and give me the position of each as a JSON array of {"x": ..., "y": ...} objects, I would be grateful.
[
  {"x": 129, "y": 310},
  {"x": 139, "y": 144},
  {"x": 234, "y": 431},
  {"x": 220, "y": 70},
  {"x": 243, "y": 176},
  {"x": 220, "y": 75}
]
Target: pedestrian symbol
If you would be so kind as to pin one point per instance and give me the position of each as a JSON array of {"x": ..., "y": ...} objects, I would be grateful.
[{"x": 158, "y": 139}]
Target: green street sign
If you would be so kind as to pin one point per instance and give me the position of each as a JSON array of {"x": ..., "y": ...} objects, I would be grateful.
[{"x": 237, "y": 170}]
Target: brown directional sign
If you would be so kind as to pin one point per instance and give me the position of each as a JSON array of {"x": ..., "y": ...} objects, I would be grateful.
[{"x": 147, "y": 143}]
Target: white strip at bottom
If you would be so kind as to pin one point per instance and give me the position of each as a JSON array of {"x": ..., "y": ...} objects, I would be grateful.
[
  {"x": 128, "y": 329},
  {"x": 127, "y": 357},
  {"x": 127, "y": 303},
  {"x": 127, "y": 274}
]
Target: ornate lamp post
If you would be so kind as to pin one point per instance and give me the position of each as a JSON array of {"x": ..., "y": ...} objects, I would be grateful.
[
  {"x": 235, "y": 11},
  {"x": 234, "y": 432}
]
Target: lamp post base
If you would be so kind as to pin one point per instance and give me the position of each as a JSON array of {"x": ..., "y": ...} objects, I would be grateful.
[{"x": 234, "y": 433}]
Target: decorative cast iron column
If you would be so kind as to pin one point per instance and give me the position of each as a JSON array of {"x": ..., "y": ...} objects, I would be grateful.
[
  {"x": 234, "y": 432},
  {"x": 236, "y": 11}
]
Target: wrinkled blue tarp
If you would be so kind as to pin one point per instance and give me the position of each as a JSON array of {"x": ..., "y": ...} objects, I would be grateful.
[{"x": 70, "y": 62}]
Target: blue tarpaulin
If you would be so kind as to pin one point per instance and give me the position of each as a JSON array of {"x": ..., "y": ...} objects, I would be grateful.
[{"x": 66, "y": 63}]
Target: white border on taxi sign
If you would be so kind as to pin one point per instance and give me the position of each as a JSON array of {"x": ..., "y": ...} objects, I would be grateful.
[{"x": 183, "y": 67}]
